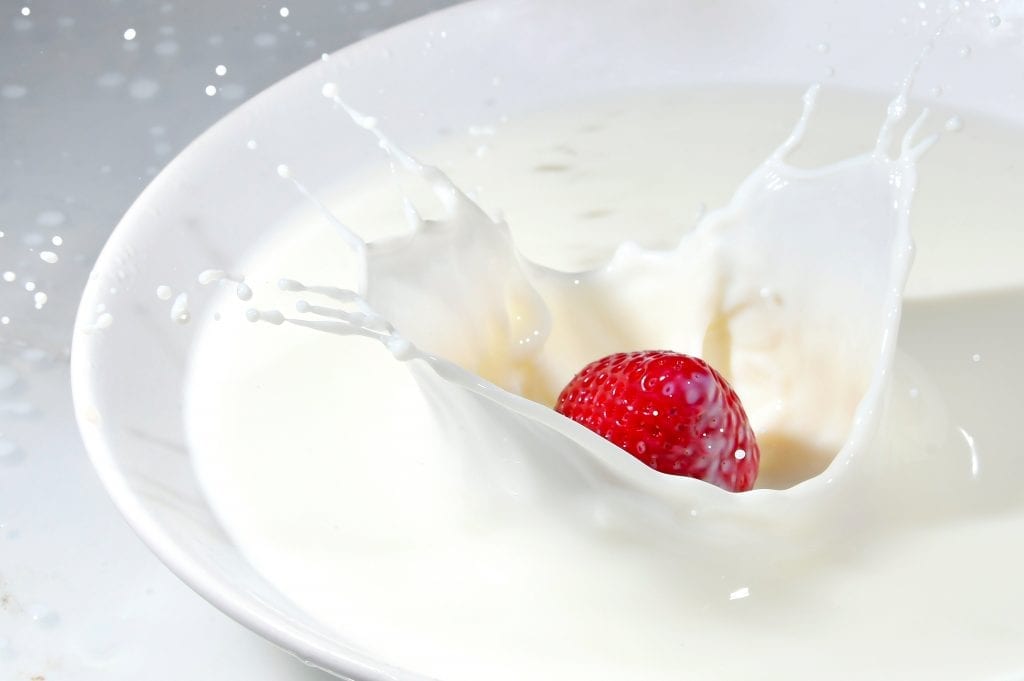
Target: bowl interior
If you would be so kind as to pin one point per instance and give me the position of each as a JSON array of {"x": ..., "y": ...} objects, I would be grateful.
[{"x": 457, "y": 68}]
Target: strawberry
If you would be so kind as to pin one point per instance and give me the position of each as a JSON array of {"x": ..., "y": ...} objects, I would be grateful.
[{"x": 672, "y": 411}]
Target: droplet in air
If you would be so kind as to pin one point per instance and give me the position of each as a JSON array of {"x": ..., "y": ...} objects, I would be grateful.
[
  {"x": 220, "y": 70},
  {"x": 211, "y": 90},
  {"x": 129, "y": 34}
]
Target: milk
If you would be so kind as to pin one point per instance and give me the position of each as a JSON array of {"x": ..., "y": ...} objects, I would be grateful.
[{"x": 453, "y": 528}]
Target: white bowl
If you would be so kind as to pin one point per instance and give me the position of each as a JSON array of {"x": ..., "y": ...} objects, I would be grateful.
[{"x": 218, "y": 198}]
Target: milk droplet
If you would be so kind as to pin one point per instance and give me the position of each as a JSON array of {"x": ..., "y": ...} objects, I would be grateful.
[
  {"x": 994, "y": 20},
  {"x": 25, "y": 11},
  {"x": 104, "y": 320},
  {"x": 209, "y": 276},
  {"x": 179, "y": 309},
  {"x": 5, "y": 320},
  {"x": 220, "y": 70},
  {"x": 975, "y": 357},
  {"x": 129, "y": 34},
  {"x": 57, "y": 240},
  {"x": 284, "y": 171},
  {"x": 9, "y": 276},
  {"x": 30, "y": 286},
  {"x": 49, "y": 257},
  {"x": 211, "y": 90},
  {"x": 251, "y": 145},
  {"x": 40, "y": 299},
  {"x": 823, "y": 48},
  {"x": 284, "y": 12},
  {"x": 965, "y": 51},
  {"x": 739, "y": 593},
  {"x": 272, "y": 316},
  {"x": 954, "y": 124},
  {"x": 164, "y": 292}
]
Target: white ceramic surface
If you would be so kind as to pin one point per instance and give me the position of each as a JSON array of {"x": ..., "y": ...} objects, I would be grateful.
[
  {"x": 87, "y": 119},
  {"x": 461, "y": 67}
]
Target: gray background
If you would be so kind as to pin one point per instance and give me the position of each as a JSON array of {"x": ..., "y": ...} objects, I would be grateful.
[{"x": 87, "y": 119}]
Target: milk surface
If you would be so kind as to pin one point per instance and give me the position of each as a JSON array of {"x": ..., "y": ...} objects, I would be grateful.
[{"x": 443, "y": 523}]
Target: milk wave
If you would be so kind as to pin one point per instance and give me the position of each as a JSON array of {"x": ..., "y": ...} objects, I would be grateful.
[{"x": 440, "y": 516}]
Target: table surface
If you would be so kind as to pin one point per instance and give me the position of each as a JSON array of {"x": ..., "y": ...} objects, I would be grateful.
[{"x": 95, "y": 97}]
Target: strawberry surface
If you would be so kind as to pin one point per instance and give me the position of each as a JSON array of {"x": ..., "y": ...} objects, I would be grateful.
[{"x": 672, "y": 411}]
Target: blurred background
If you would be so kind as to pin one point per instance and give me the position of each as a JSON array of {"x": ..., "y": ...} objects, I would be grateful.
[{"x": 96, "y": 96}]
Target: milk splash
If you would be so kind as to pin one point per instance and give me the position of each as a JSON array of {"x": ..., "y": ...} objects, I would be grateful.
[
  {"x": 376, "y": 488},
  {"x": 793, "y": 291}
]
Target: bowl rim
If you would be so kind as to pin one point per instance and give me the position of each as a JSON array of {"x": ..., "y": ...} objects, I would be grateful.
[{"x": 303, "y": 645}]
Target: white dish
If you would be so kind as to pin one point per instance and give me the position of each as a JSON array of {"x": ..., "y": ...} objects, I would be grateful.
[{"x": 449, "y": 70}]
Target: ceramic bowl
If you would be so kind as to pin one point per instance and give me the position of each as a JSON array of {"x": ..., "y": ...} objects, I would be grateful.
[{"x": 441, "y": 72}]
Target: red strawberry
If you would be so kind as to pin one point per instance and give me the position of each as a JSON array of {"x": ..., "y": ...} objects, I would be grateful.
[{"x": 672, "y": 411}]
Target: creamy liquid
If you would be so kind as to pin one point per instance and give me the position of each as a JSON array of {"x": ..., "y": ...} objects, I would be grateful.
[{"x": 452, "y": 529}]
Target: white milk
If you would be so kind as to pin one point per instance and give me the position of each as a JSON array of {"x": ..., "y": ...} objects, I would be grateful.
[{"x": 455, "y": 529}]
